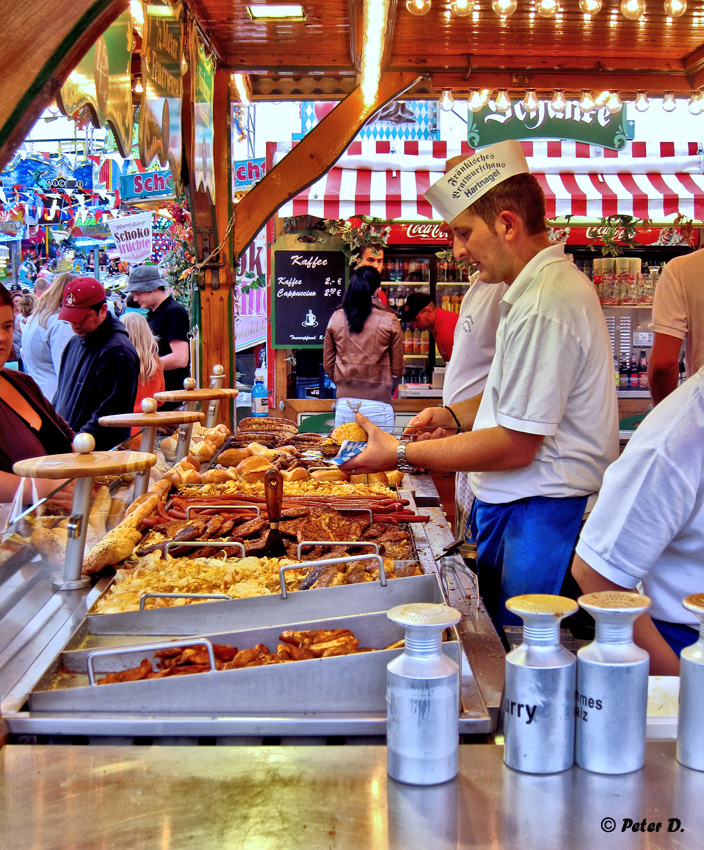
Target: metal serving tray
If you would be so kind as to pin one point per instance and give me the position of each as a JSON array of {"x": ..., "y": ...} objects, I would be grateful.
[{"x": 317, "y": 686}]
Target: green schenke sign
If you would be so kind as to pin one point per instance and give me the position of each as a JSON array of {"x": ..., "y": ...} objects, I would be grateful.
[{"x": 597, "y": 128}]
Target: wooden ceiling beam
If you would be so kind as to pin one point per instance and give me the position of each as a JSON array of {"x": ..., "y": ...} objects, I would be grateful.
[{"x": 313, "y": 156}]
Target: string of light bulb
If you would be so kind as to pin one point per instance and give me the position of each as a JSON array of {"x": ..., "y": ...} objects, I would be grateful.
[
  {"x": 633, "y": 10},
  {"x": 587, "y": 102}
]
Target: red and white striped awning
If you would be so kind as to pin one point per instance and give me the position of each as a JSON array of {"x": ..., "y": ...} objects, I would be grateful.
[{"x": 387, "y": 180}]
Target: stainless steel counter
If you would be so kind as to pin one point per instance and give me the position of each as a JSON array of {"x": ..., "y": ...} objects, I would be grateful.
[{"x": 243, "y": 798}]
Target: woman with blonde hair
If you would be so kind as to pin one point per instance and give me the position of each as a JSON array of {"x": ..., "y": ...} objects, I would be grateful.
[
  {"x": 151, "y": 372},
  {"x": 44, "y": 337}
]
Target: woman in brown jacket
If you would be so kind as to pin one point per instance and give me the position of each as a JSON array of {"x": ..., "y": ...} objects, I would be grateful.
[{"x": 363, "y": 353}]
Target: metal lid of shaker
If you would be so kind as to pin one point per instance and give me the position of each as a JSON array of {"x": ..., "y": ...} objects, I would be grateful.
[{"x": 424, "y": 614}]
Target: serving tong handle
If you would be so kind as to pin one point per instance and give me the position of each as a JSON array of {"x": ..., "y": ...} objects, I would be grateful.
[{"x": 150, "y": 647}]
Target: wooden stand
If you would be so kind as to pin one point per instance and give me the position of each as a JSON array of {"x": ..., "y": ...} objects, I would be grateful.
[
  {"x": 84, "y": 466},
  {"x": 189, "y": 398},
  {"x": 149, "y": 419}
]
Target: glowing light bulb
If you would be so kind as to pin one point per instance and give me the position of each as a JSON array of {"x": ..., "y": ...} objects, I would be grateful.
[
  {"x": 590, "y": 7},
  {"x": 642, "y": 103},
  {"x": 462, "y": 8},
  {"x": 530, "y": 101},
  {"x": 548, "y": 8},
  {"x": 503, "y": 101},
  {"x": 633, "y": 9},
  {"x": 504, "y": 8},
  {"x": 486, "y": 94},
  {"x": 446, "y": 100},
  {"x": 614, "y": 103},
  {"x": 602, "y": 99},
  {"x": 475, "y": 101},
  {"x": 669, "y": 104},
  {"x": 675, "y": 8},
  {"x": 695, "y": 104},
  {"x": 558, "y": 102},
  {"x": 418, "y": 7},
  {"x": 586, "y": 102}
]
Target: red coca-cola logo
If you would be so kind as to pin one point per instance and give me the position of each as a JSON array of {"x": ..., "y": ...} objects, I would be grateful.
[{"x": 431, "y": 232}]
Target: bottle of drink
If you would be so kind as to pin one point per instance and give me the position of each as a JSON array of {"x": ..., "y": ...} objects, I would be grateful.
[
  {"x": 424, "y": 342},
  {"x": 643, "y": 371},
  {"x": 416, "y": 341},
  {"x": 260, "y": 396},
  {"x": 633, "y": 373},
  {"x": 408, "y": 341},
  {"x": 623, "y": 373},
  {"x": 617, "y": 371}
]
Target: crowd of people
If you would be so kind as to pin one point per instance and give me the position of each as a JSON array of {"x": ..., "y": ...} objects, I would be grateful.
[{"x": 66, "y": 360}]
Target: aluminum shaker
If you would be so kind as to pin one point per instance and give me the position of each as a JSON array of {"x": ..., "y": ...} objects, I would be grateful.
[
  {"x": 422, "y": 695},
  {"x": 538, "y": 705},
  {"x": 690, "y": 724},
  {"x": 612, "y": 686}
]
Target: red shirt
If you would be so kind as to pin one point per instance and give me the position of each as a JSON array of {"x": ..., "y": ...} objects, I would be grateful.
[{"x": 444, "y": 332}]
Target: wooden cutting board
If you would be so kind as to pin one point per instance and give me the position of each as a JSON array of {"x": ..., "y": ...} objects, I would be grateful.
[
  {"x": 168, "y": 417},
  {"x": 84, "y": 465},
  {"x": 205, "y": 394}
]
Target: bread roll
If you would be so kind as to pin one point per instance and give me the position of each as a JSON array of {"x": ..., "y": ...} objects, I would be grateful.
[
  {"x": 256, "y": 448},
  {"x": 203, "y": 451},
  {"x": 217, "y": 476},
  {"x": 358, "y": 479},
  {"x": 231, "y": 457},
  {"x": 298, "y": 474},
  {"x": 168, "y": 445},
  {"x": 349, "y": 431},
  {"x": 195, "y": 463},
  {"x": 253, "y": 469},
  {"x": 394, "y": 476},
  {"x": 51, "y": 544},
  {"x": 377, "y": 478},
  {"x": 329, "y": 475}
]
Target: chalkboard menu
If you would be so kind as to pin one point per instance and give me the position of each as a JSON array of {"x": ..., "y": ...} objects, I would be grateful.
[{"x": 307, "y": 287}]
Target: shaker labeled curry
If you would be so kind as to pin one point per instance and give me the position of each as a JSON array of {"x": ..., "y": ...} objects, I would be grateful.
[
  {"x": 690, "y": 728},
  {"x": 538, "y": 712}
]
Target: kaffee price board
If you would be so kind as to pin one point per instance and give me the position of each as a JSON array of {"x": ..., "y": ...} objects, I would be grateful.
[{"x": 307, "y": 286}]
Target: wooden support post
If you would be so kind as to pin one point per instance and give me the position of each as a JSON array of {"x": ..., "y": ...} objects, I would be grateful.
[{"x": 315, "y": 154}]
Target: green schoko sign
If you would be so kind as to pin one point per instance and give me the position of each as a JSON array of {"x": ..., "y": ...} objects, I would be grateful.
[{"x": 597, "y": 128}]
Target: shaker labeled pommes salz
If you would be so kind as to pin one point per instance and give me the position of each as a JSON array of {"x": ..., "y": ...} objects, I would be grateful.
[
  {"x": 423, "y": 698},
  {"x": 538, "y": 704},
  {"x": 612, "y": 686}
]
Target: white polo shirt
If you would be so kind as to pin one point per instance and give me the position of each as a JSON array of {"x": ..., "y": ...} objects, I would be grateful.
[
  {"x": 552, "y": 375},
  {"x": 475, "y": 342},
  {"x": 648, "y": 522}
]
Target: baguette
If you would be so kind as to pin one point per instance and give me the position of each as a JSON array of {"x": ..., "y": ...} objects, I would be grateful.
[
  {"x": 112, "y": 549},
  {"x": 51, "y": 544}
]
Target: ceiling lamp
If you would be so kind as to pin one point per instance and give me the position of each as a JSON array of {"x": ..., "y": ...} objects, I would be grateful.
[
  {"x": 633, "y": 9},
  {"x": 696, "y": 103},
  {"x": 558, "y": 102},
  {"x": 276, "y": 12},
  {"x": 642, "y": 103},
  {"x": 137, "y": 86},
  {"x": 586, "y": 102},
  {"x": 530, "y": 102},
  {"x": 418, "y": 7},
  {"x": 675, "y": 8},
  {"x": 462, "y": 8},
  {"x": 446, "y": 100},
  {"x": 548, "y": 8},
  {"x": 590, "y": 7},
  {"x": 504, "y": 8},
  {"x": 475, "y": 101},
  {"x": 614, "y": 103},
  {"x": 243, "y": 89},
  {"x": 669, "y": 104},
  {"x": 503, "y": 101},
  {"x": 602, "y": 99}
]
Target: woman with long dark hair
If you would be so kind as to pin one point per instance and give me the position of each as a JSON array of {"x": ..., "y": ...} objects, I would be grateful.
[{"x": 363, "y": 353}]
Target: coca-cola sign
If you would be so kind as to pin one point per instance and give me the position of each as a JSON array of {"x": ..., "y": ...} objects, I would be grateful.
[{"x": 413, "y": 233}]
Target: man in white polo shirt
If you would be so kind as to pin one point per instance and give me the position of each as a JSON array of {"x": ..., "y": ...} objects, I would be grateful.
[{"x": 547, "y": 425}]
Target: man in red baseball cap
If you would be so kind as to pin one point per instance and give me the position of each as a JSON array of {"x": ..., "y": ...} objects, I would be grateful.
[{"x": 99, "y": 367}]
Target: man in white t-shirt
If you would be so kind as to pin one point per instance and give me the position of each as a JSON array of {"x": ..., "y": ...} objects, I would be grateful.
[
  {"x": 547, "y": 426},
  {"x": 678, "y": 314},
  {"x": 648, "y": 524},
  {"x": 466, "y": 374}
]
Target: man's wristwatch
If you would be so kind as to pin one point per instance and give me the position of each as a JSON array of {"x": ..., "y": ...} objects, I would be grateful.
[{"x": 401, "y": 456}]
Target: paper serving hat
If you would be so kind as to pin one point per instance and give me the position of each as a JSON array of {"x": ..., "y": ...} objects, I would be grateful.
[{"x": 474, "y": 176}]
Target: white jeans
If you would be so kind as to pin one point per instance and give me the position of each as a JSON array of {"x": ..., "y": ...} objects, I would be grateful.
[{"x": 379, "y": 412}]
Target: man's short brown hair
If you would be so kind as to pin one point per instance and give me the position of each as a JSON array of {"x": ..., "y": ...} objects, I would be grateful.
[{"x": 521, "y": 194}]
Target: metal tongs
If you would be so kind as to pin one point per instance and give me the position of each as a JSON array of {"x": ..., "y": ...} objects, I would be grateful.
[{"x": 456, "y": 564}]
